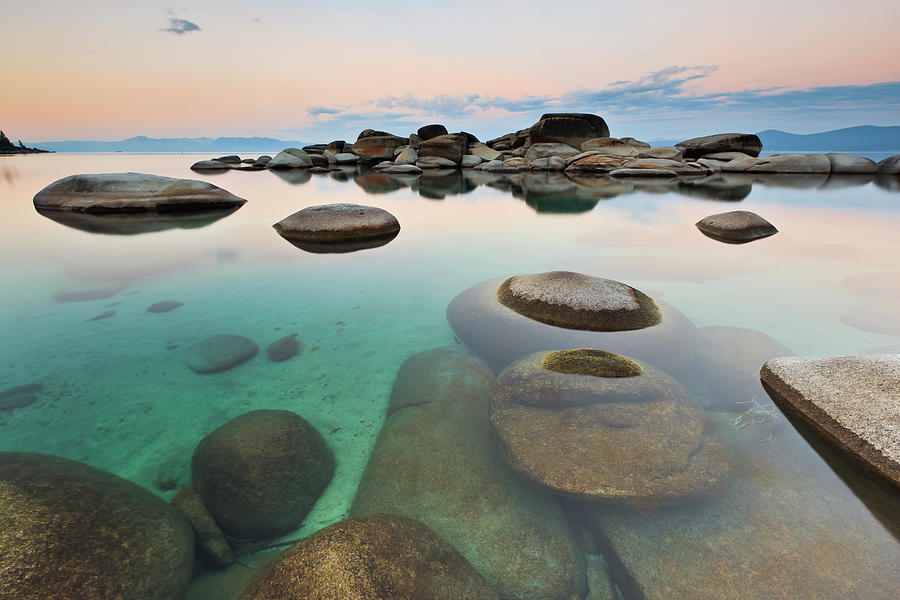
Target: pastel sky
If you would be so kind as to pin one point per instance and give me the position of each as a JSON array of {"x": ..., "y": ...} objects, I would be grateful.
[{"x": 318, "y": 70}]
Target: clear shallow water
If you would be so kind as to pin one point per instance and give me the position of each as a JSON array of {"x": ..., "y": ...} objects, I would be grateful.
[{"x": 115, "y": 397}]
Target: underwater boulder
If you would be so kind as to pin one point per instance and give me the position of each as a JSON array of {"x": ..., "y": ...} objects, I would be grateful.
[
  {"x": 500, "y": 335},
  {"x": 593, "y": 425},
  {"x": 209, "y": 536},
  {"x": 736, "y": 227},
  {"x": 69, "y": 530},
  {"x": 261, "y": 472},
  {"x": 377, "y": 556},
  {"x": 19, "y": 396},
  {"x": 283, "y": 348},
  {"x": 515, "y": 535},
  {"x": 164, "y": 306},
  {"x": 219, "y": 353}
]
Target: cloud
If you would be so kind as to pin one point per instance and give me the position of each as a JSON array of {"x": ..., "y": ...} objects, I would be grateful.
[
  {"x": 657, "y": 101},
  {"x": 180, "y": 26}
]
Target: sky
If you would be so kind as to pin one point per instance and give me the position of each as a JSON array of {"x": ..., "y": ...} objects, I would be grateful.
[{"x": 318, "y": 71}]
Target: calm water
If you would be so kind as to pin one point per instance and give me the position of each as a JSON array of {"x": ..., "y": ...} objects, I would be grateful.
[{"x": 117, "y": 396}]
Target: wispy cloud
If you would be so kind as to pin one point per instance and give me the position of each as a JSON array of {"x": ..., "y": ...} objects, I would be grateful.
[
  {"x": 180, "y": 26},
  {"x": 664, "y": 95}
]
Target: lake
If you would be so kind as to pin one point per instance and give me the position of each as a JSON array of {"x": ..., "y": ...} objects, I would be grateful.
[{"x": 793, "y": 521}]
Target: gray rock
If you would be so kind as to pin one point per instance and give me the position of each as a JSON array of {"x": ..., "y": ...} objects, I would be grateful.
[
  {"x": 545, "y": 150},
  {"x": 219, "y": 353},
  {"x": 263, "y": 160},
  {"x": 435, "y": 162},
  {"x": 329, "y": 156},
  {"x": 403, "y": 170},
  {"x": 846, "y": 163},
  {"x": 636, "y": 143},
  {"x": 485, "y": 152},
  {"x": 736, "y": 227},
  {"x": 232, "y": 159},
  {"x": 890, "y": 165},
  {"x": 68, "y": 530},
  {"x": 385, "y": 164},
  {"x": 721, "y": 142},
  {"x": 470, "y": 160},
  {"x": 851, "y": 401},
  {"x": 289, "y": 160},
  {"x": 132, "y": 193},
  {"x": 345, "y": 158},
  {"x": 726, "y": 156},
  {"x": 496, "y": 166},
  {"x": 249, "y": 161},
  {"x": 210, "y": 165},
  {"x": 337, "y": 224},
  {"x": 552, "y": 163},
  {"x": 408, "y": 156},
  {"x": 338, "y": 146},
  {"x": 608, "y": 146},
  {"x": 662, "y": 152},
  {"x": 515, "y": 536},
  {"x": 781, "y": 163},
  {"x": 451, "y": 147}
]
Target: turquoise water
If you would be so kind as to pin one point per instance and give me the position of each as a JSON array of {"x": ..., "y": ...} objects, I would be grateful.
[{"x": 117, "y": 396}]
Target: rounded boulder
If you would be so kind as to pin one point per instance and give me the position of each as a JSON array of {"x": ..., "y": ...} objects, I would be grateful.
[
  {"x": 261, "y": 472},
  {"x": 334, "y": 226}
]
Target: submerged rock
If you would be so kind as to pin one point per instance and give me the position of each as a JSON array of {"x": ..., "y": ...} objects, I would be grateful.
[
  {"x": 851, "y": 401},
  {"x": 378, "y": 556},
  {"x": 208, "y": 535},
  {"x": 68, "y": 530},
  {"x": 283, "y": 348},
  {"x": 722, "y": 142},
  {"x": 787, "y": 527},
  {"x": 132, "y": 193},
  {"x": 19, "y": 396},
  {"x": 164, "y": 306},
  {"x": 500, "y": 335},
  {"x": 736, "y": 227},
  {"x": 590, "y": 424},
  {"x": 261, "y": 472},
  {"x": 515, "y": 536},
  {"x": 339, "y": 227},
  {"x": 219, "y": 353}
]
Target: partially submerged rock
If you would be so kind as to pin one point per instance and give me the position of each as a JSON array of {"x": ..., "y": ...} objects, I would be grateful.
[
  {"x": 210, "y": 165},
  {"x": 68, "y": 530},
  {"x": 515, "y": 536},
  {"x": 339, "y": 227},
  {"x": 613, "y": 430},
  {"x": 736, "y": 227},
  {"x": 290, "y": 158},
  {"x": 261, "y": 472},
  {"x": 132, "y": 193},
  {"x": 722, "y": 142},
  {"x": 849, "y": 164},
  {"x": 849, "y": 400},
  {"x": 219, "y": 353},
  {"x": 782, "y": 163},
  {"x": 377, "y": 556}
]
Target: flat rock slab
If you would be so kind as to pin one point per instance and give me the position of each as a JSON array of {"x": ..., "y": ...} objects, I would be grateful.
[
  {"x": 219, "y": 353},
  {"x": 736, "y": 227},
  {"x": 852, "y": 401},
  {"x": 132, "y": 193},
  {"x": 339, "y": 224}
]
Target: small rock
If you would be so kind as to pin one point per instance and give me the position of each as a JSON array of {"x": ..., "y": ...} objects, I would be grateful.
[
  {"x": 663, "y": 152},
  {"x": 290, "y": 160},
  {"x": 552, "y": 163},
  {"x": 496, "y": 166},
  {"x": 231, "y": 159},
  {"x": 781, "y": 163},
  {"x": 339, "y": 224},
  {"x": 846, "y": 163},
  {"x": 595, "y": 163},
  {"x": 346, "y": 158},
  {"x": 485, "y": 152},
  {"x": 435, "y": 162},
  {"x": 639, "y": 172},
  {"x": 403, "y": 170},
  {"x": 219, "y": 353},
  {"x": 212, "y": 540},
  {"x": 736, "y": 227},
  {"x": 469, "y": 160},
  {"x": 283, "y": 348},
  {"x": 101, "y": 316},
  {"x": 19, "y": 396},
  {"x": 537, "y": 151},
  {"x": 210, "y": 165},
  {"x": 164, "y": 306},
  {"x": 408, "y": 156}
]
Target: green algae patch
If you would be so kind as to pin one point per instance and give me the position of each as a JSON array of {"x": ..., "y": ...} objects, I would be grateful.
[{"x": 587, "y": 361}]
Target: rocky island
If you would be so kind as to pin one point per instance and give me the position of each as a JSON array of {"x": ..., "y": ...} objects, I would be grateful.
[{"x": 7, "y": 147}]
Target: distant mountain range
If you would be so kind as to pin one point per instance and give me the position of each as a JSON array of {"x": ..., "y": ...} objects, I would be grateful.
[
  {"x": 868, "y": 138},
  {"x": 202, "y": 144}
]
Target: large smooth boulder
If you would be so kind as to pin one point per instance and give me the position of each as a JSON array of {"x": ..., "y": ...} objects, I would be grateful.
[
  {"x": 851, "y": 165},
  {"x": 210, "y": 165},
  {"x": 596, "y": 163},
  {"x": 449, "y": 146},
  {"x": 377, "y": 556},
  {"x": 261, "y": 472},
  {"x": 669, "y": 153},
  {"x": 610, "y": 147},
  {"x": 105, "y": 193},
  {"x": 889, "y": 165},
  {"x": 546, "y": 150},
  {"x": 851, "y": 401},
  {"x": 781, "y": 163},
  {"x": 219, "y": 353},
  {"x": 20, "y": 396},
  {"x": 787, "y": 527},
  {"x": 339, "y": 227},
  {"x": 500, "y": 335},
  {"x": 484, "y": 152},
  {"x": 427, "y": 132},
  {"x": 572, "y": 129},
  {"x": 736, "y": 227},
  {"x": 514, "y": 535},
  {"x": 593, "y": 425},
  {"x": 722, "y": 142},
  {"x": 376, "y": 148},
  {"x": 69, "y": 530},
  {"x": 286, "y": 159}
]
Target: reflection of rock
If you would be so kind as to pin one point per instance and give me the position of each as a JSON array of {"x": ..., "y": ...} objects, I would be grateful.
[
  {"x": 377, "y": 183},
  {"x": 793, "y": 180},
  {"x": 728, "y": 187},
  {"x": 437, "y": 185},
  {"x": 68, "y": 530},
  {"x": 786, "y": 528},
  {"x": 219, "y": 353},
  {"x": 551, "y": 193},
  {"x": 132, "y": 224},
  {"x": 133, "y": 193},
  {"x": 261, "y": 472},
  {"x": 728, "y": 363},
  {"x": 599, "y": 426},
  {"x": 500, "y": 335},
  {"x": 376, "y": 556},
  {"x": 722, "y": 142},
  {"x": 515, "y": 536},
  {"x": 851, "y": 401},
  {"x": 293, "y": 176},
  {"x": 736, "y": 227},
  {"x": 338, "y": 224}
]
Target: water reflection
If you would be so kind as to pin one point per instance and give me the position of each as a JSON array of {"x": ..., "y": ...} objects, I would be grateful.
[
  {"x": 133, "y": 224},
  {"x": 8, "y": 172}
]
